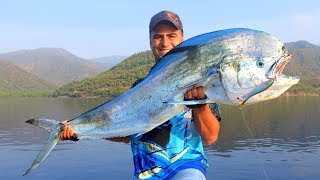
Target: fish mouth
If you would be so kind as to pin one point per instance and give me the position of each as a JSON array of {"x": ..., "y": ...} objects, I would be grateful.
[
  {"x": 272, "y": 73},
  {"x": 277, "y": 67}
]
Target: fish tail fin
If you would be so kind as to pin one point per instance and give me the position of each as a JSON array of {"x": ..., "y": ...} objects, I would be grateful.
[{"x": 52, "y": 126}]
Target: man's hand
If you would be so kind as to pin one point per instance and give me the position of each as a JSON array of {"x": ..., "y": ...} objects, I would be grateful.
[
  {"x": 195, "y": 93},
  {"x": 68, "y": 132}
]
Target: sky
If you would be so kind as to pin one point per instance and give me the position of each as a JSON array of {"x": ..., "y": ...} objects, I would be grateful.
[{"x": 98, "y": 28}]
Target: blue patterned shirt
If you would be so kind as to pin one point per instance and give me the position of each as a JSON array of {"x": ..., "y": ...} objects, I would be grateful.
[{"x": 170, "y": 147}]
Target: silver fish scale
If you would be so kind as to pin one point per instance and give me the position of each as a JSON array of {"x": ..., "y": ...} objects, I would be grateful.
[{"x": 210, "y": 60}]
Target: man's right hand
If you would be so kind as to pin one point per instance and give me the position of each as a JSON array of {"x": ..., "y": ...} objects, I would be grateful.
[{"x": 68, "y": 132}]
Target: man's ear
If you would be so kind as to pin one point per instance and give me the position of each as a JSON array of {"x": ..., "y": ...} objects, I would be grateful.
[
  {"x": 150, "y": 43},
  {"x": 150, "y": 40}
]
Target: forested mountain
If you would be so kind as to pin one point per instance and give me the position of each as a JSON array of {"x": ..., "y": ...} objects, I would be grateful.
[
  {"x": 305, "y": 63},
  {"x": 54, "y": 65},
  {"x": 17, "y": 82},
  {"x": 113, "y": 82}
]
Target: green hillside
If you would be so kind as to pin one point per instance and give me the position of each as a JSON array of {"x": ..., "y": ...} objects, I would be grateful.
[
  {"x": 113, "y": 82},
  {"x": 306, "y": 64},
  {"x": 17, "y": 82}
]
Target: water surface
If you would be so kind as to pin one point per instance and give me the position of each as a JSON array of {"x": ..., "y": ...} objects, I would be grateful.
[{"x": 285, "y": 143}]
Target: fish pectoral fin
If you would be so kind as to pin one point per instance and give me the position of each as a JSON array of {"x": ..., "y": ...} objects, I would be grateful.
[{"x": 190, "y": 102}]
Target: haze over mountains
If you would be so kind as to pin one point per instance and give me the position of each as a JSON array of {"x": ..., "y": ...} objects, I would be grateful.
[
  {"x": 15, "y": 81},
  {"x": 49, "y": 68},
  {"x": 108, "y": 61},
  {"x": 55, "y": 65},
  {"x": 113, "y": 82}
]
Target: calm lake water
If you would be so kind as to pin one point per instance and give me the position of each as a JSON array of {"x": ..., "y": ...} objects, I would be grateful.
[{"x": 286, "y": 143}]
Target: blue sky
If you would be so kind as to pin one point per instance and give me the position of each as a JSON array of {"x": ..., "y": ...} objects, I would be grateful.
[{"x": 98, "y": 28}]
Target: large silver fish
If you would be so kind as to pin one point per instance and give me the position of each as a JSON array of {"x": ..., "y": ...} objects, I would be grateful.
[{"x": 235, "y": 66}]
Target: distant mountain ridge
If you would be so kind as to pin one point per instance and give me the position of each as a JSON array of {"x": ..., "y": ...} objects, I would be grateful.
[
  {"x": 109, "y": 61},
  {"x": 54, "y": 65},
  {"x": 17, "y": 82},
  {"x": 113, "y": 82},
  {"x": 301, "y": 45}
]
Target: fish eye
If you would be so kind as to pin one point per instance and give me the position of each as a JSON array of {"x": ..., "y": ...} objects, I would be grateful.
[{"x": 260, "y": 64}]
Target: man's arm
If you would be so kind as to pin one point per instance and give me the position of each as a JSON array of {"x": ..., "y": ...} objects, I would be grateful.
[{"x": 206, "y": 122}]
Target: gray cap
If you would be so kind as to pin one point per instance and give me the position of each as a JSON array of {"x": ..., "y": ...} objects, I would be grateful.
[{"x": 165, "y": 17}]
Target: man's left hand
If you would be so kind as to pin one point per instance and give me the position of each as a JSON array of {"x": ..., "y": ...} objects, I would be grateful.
[{"x": 195, "y": 93}]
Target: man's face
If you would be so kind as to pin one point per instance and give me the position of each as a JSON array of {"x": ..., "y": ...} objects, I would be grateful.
[{"x": 163, "y": 38}]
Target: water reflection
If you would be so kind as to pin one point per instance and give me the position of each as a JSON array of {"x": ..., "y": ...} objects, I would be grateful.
[
  {"x": 285, "y": 130},
  {"x": 272, "y": 120}
]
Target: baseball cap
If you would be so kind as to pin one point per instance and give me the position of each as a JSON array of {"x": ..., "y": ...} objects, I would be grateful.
[{"x": 165, "y": 17}]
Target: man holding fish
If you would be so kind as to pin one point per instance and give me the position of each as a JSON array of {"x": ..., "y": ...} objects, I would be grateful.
[
  {"x": 237, "y": 66},
  {"x": 174, "y": 149}
]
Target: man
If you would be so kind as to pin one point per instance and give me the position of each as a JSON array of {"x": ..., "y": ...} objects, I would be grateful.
[{"x": 174, "y": 149}]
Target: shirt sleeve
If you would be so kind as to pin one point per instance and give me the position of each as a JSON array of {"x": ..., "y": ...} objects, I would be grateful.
[{"x": 215, "y": 108}]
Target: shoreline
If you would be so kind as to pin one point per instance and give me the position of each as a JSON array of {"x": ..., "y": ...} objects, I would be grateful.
[
  {"x": 300, "y": 94},
  {"x": 109, "y": 98}
]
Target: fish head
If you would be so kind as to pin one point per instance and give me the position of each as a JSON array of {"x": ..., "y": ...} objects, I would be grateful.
[{"x": 254, "y": 62}]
